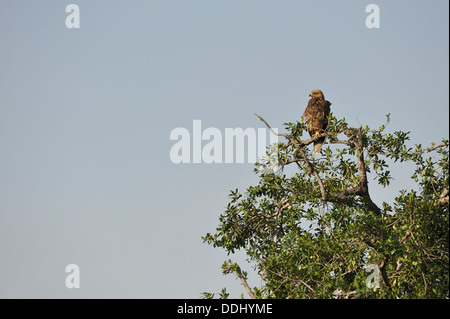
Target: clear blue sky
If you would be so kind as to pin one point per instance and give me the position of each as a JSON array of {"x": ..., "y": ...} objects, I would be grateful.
[{"x": 86, "y": 114}]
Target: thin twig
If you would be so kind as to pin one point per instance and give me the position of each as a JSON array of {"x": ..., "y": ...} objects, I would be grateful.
[{"x": 429, "y": 149}]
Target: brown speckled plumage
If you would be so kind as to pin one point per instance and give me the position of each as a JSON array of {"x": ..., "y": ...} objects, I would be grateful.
[{"x": 316, "y": 115}]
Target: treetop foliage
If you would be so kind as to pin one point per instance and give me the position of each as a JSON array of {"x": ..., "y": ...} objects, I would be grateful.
[{"x": 314, "y": 232}]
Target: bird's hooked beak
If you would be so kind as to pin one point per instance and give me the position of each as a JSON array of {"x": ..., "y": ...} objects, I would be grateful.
[{"x": 310, "y": 95}]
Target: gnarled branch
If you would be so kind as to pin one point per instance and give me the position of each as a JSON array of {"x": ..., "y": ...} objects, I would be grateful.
[{"x": 355, "y": 140}]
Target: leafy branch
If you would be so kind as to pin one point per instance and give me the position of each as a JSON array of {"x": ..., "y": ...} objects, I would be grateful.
[{"x": 311, "y": 230}]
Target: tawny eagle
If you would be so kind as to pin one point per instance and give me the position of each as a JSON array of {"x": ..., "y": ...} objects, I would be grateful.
[{"x": 316, "y": 115}]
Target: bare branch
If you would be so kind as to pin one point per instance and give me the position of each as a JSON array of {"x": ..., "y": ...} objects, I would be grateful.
[
  {"x": 430, "y": 149},
  {"x": 313, "y": 172},
  {"x": 363, "y": 189},
  {"x": 270, "y": 128},
  {"x": 335, "y": 141},
  {"x": 243, "y": 280},
  {"x": 408, "y": 233}
]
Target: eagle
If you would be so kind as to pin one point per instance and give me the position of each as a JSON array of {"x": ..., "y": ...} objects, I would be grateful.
[{"x": 316, "y": 116}]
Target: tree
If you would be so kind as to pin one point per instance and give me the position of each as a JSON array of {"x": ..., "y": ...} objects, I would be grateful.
[{"x": 312, "y": 230}]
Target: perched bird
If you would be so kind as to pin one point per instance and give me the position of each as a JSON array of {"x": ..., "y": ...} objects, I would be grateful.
[{"x": 316, "y": 115}]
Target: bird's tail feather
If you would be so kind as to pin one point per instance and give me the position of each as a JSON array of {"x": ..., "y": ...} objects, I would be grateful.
[{"x": 318, "y": 147}]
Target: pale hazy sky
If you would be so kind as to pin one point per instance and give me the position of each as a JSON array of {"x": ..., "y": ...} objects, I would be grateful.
[{"x": 86, "y": 114}]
